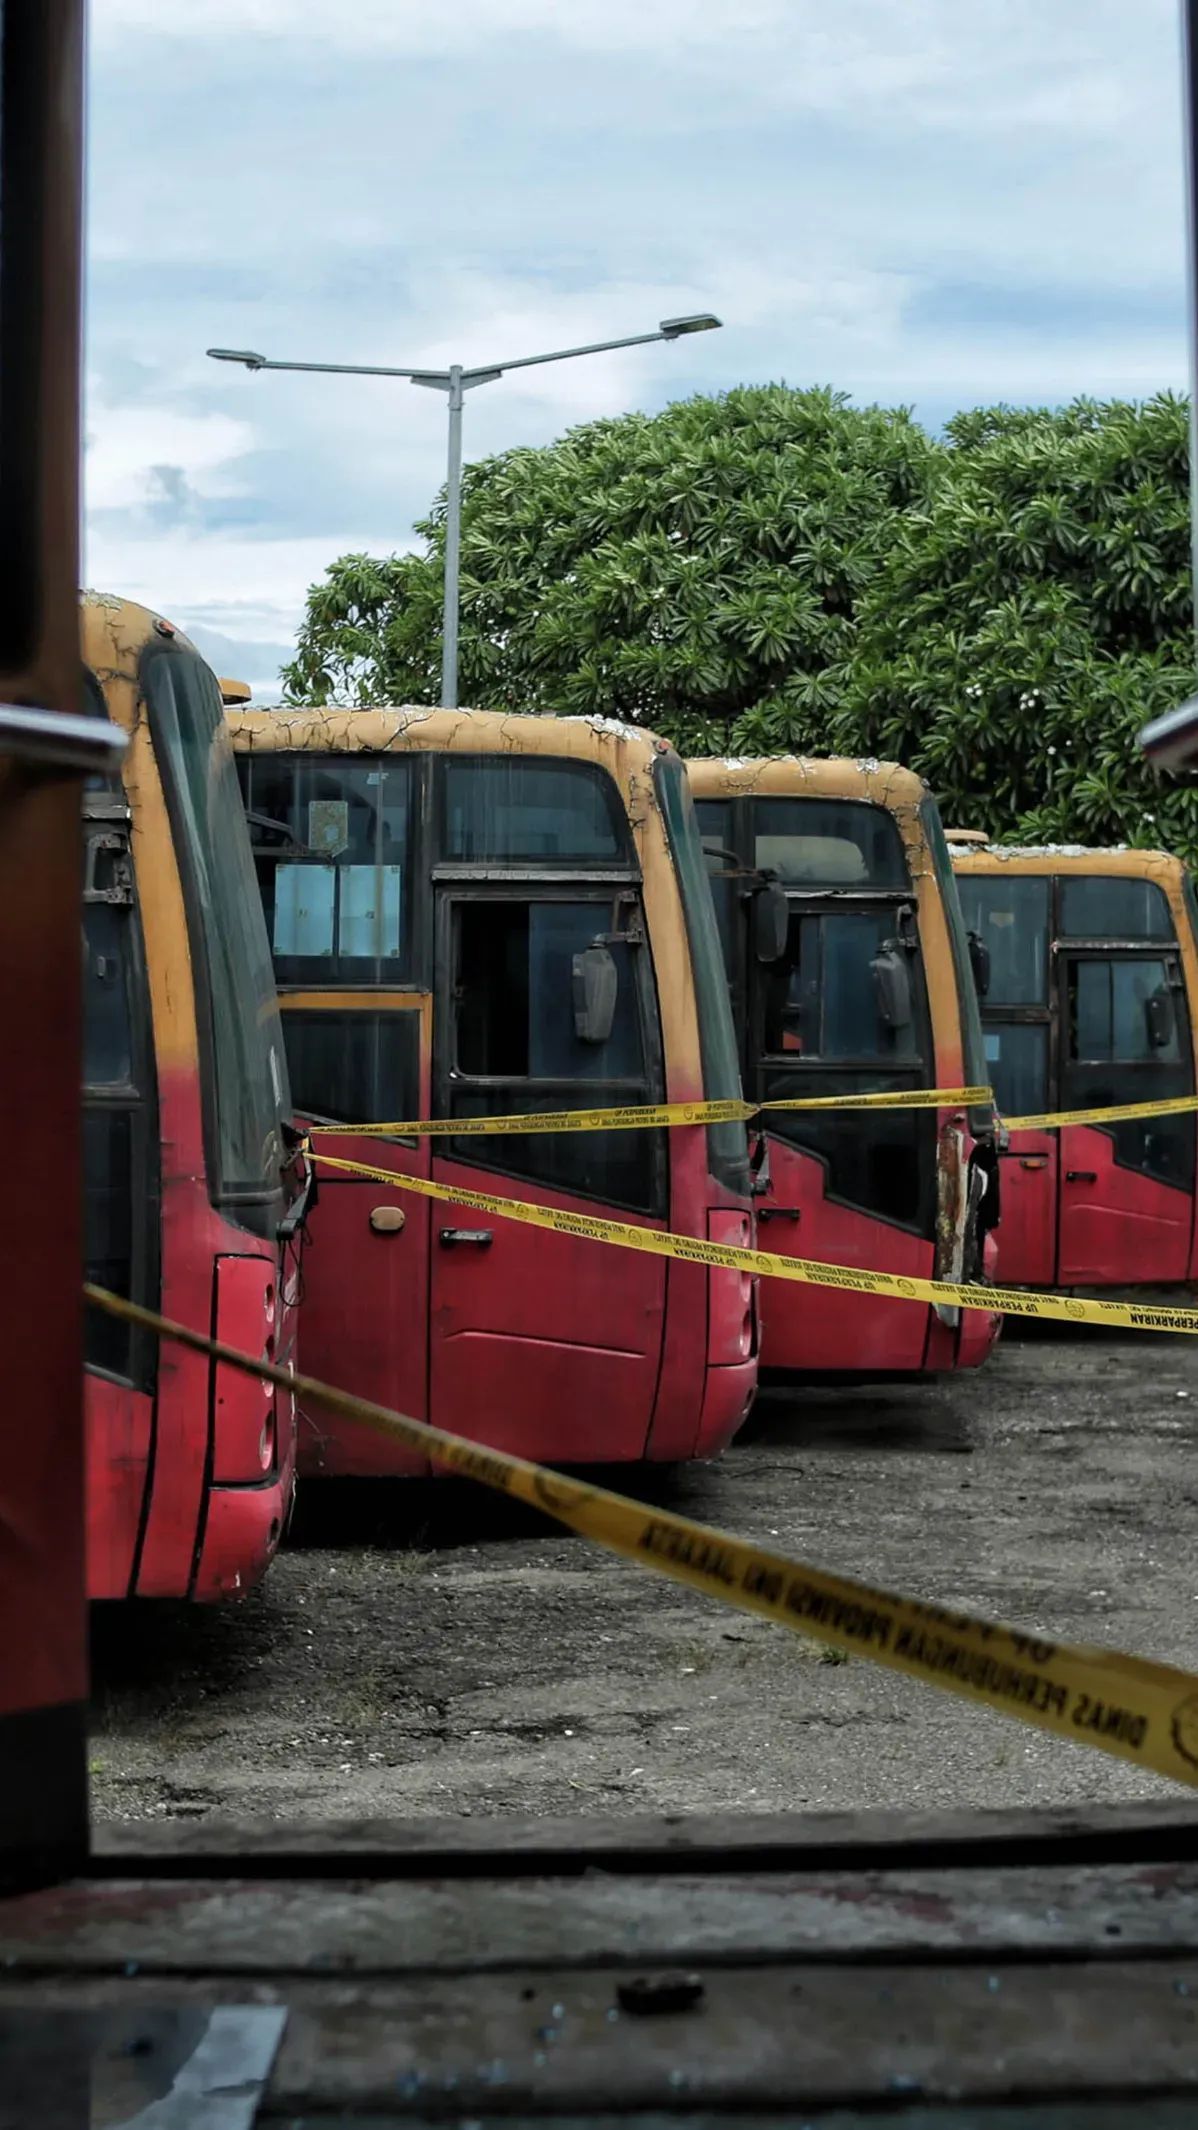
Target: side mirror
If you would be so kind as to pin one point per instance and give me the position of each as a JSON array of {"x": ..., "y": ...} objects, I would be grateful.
[
  {"x": 1160, "y": 1019},
  {"x": 771, "y": 922},
  {"x": 892, "y": 984},
  {"x": 596, "y": 981},
  {"x": 979, "y": 962}
]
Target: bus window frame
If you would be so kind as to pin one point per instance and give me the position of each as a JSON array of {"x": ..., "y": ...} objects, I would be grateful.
[
  {"x": 828, "y": 902},
  {"x": 1129, "y": 1134},
  {"x": 137, "y": 1097},
  {"x": 451, "y": 863},
  {"x": 1039, "y": 1014},
  {"x": 871, "y": 1071},
  {"x": 486, "y": 883},
  {"x": 746, "y": 990},
  {"x": 419, "y": 980},
  {"x": 411, "y": 974},
  {"x": 744, "y": 984}
]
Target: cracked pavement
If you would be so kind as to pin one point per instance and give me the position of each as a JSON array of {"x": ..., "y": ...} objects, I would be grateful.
[{"x": 425, "y": 1649}]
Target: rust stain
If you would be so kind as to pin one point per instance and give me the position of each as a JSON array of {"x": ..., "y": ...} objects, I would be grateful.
[{"x": 874, "y": 1893}]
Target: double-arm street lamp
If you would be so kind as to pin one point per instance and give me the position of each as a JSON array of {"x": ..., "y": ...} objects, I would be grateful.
[{"x": 455, "y": 382}]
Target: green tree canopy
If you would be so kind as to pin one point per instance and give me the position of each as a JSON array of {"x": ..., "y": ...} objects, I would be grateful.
[
  {"x": 776, "y": 570},
  {"x": 1030, "y": 618}
]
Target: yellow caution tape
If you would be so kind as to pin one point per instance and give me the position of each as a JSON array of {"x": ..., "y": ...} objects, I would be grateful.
[
  {"x": 645, "y": 1116},
  {"x": 809, "y": 1271},
  {"x": 641, "y": 1116},
  {"x": 1055, "y": 1119},
  {"x": 1126, "y": 1706}
]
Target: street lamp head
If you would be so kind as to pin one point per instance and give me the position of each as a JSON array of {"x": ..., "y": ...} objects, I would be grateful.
[
  {"x": 245, "y": 355},
  {"x": 701, "y": 322}
]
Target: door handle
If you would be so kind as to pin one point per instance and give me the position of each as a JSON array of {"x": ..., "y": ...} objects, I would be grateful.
[
  {"x": 779, "y": 1213},
  {"x": 482, "y": 1238},
  {"x": 1081, "y": 1175}
]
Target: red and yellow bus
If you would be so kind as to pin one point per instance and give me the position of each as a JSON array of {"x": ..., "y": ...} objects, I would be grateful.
[
  {"x": 866, "y": 986},
  {"x": 1092, "y": 1000},
  {"x": 473, "y": 914},
  {"x": 193, "y": 1189}
]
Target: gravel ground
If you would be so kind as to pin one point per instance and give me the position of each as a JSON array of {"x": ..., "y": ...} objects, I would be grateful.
[{"x": 427, "y": 1649}]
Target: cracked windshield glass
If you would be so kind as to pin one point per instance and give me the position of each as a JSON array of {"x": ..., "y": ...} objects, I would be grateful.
[{"x": 641, "y": 995}]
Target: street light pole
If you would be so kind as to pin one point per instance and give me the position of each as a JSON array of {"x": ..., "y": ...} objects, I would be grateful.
[
  {"x": 453, "y": 542},
  {"x": 455, "y": 382}
]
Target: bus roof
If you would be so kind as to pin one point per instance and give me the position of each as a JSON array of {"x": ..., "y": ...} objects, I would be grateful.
[
  {"x": 1117, "y": 860},
  {"x": 415, "y": 729},
  {"x": 805, "y": 776}
]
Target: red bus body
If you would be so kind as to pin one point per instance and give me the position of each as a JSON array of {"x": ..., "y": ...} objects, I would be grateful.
[
  {"x": 1091, "y": 1001},
  {"x": 429, "y": 913},
  {"x": 858, "y": 850},
  {"x": 190, "y": 1467}
]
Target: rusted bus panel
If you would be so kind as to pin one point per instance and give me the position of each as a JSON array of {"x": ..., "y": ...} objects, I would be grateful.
[
  {"x": 797, "y": 1215},
  {"x": 119, "y": 1434}
]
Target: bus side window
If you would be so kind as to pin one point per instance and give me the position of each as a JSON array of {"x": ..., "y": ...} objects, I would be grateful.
[
  {"x": 515, "y": 994},
  {"x": 354, "y": 1067},
  {"x": 332, "y": 847},
  {"x": 513, "y": 1042},
  {"x": 116, "y": 1119}
]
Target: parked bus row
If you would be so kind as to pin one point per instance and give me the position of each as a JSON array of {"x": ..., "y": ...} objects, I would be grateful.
[{"x": 463, "y": 915}]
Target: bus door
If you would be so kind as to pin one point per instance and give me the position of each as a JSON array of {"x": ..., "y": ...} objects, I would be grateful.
[
  {"x": 1126, "y": 1190},
  {"x": 1010, "y": 913},
  {"x": 548, "y": 1345},
  {"x": 333, "y": 841},
  {"x": 845, "y": 1187}
]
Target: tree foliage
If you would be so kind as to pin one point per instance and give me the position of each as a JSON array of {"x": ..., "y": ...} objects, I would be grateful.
[{"x": 775, "y": 570}]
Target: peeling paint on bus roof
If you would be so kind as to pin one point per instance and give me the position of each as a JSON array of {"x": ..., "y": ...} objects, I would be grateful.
[
  {"x": 1049, "y": 850},
  {"x": 618, "y": 727},
  {"x": 1127, "y": 861}
]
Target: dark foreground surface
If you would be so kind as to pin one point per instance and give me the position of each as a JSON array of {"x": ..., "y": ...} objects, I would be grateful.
[{"x": 427, "y": 1651}]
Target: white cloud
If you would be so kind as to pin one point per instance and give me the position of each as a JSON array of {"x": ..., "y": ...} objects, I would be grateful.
[
  {"x": 241, "y": 587},
  {"x": 857, "y": 188},
  {"x": 128, "y": 448},
  {"x": 1077, "y": 64},
  {"x": 415, "y": 26}
]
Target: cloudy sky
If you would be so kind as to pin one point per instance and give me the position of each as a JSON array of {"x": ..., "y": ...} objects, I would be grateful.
[{"x": 935, "y": 202}]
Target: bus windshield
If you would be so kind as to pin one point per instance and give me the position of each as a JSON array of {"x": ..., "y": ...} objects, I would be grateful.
[
  {"x": 727, "y": 1143},
  {"x": 246, "y": 1091}
]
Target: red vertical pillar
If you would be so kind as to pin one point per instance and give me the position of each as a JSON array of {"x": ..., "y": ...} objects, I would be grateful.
[{"x": 43, "y": 750}]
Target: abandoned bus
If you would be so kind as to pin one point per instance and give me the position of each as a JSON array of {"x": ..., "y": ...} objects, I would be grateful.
[
  {"x": 192, "y": 1195},
  {"x": 473, "y": 915},
  {"x": 866, "y": 985},
  {"x": 1092, "y": 984}
]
